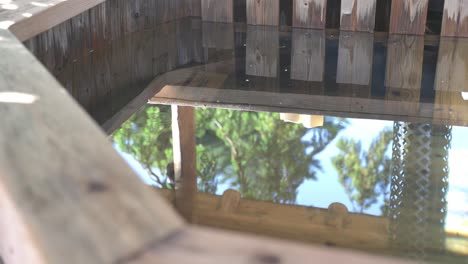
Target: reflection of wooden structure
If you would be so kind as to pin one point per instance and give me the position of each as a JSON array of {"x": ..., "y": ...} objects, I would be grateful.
[
  {"x": 217, "y": 10},
  {"x": 332, "y": 226},
  {"x": 404, "y": 70},
  {"x": 452, "y": 66},
  {"x": 355, "y": 55},
  {"x": 262, "y": 57},
  {"x": 308, "y": 55}
]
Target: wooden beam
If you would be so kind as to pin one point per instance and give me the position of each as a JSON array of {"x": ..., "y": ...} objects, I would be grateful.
[
  {"x": 185, "y": 161},
  {"x": 408, "y": 17},
  {"x": 263, "y": 12},
  {"x": 217, "y": 10},
  {"x": 205, "y": 246},
  {"x": 452, "y": 65},
  {"x": 333, "y": 225},
  {"x": 262, "y": 55},
  {"x": 358, "y": 15},
  {"x": 64, "y": 191},
  {"x": 355, "y": 54},
  {"x": 455, "y": 19},
  {"x": 309, "y": 14},
  {"x": 308, "y": 55}
]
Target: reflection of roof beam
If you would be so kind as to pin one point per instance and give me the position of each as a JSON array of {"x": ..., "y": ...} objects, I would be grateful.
[{"x": 334, "y": 226}]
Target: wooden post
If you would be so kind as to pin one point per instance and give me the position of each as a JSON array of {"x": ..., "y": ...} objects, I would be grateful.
[
  {"x": 263, "y": 12},
  {"x": 355, "y": 56},
  {"x": 217, "y": 10},
  {"x": 358, "y": 15},
  {"x": 408, "y": 17},
  {"x": 308, "y": 55},
  {"x": 185, "y": 168},
  {"x": 455, "y": 19},
  {"x": 262, "y": 55},
  {"x": 309, "y": 13},
  {"x": 404, "y": 69}
]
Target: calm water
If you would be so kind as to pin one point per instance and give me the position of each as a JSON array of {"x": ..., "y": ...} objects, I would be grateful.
[{"x": 307, "y": 119}]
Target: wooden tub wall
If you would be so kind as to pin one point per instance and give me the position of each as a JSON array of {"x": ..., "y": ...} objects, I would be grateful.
[{"x": 65, "y": 194}]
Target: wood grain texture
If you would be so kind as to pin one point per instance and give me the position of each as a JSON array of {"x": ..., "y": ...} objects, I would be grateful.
[
  {"x": 42, "y": 15},
  {"x": 404, "y": 62},
  {"x": 449, "y": 106},
  {"x": 309, "y": 14},
  {"x": 190, "y": 247},
  {"x": 408, "y": 17},
  {"x": 452, "y": 65},
  {"x": 71, "y": 196},
  {"x": 355, "y": 54},
  {"x": 217, "y": 10},
  {"x": 358, "y": 15},
  {"x": 455, "y": 19},
  {"x": 218, "y": 35},
  {"x": 392, "y": 108},
  {"x": 185, "y": 161},
  {"x": 262, "y": 55},
  {"x": 332, "y": 225},
  {"x": 263, "y": 12},
  {"x": 308, "y": 55}
]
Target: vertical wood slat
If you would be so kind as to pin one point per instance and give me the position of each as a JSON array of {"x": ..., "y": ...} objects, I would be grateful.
[
  {"x": 452, "y": 66},
  {"x": 309, "y": 13},
  {"x": 218, "y": 35},
  {"x": 403, "y": 74},
  {"x": 308, "y": 55},
  {"x": 217, "y": 10},
  {"x": 408, "y": 17},
  {"x": 185, "y": 169},
  {"x": 262, "y": 52},
  {"x": 358, "y": 15},
  {"x": 263, "y": 12},
  {"x": 355, "y": 54},
  {"x": 455, "y": 19}
]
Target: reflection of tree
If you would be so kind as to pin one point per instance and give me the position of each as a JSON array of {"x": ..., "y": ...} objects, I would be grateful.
[
  {"x": 261, "y": 155},
  {"x": 147, "y": 137},
  {"x": 365, "y": 175},
  {"x": 419, "y": 187}
]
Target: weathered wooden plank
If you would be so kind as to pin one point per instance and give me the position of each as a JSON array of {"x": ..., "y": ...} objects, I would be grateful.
[
  {"x": 66, "y": 195},
  {"x": 140, "y": 14},
  {"x": 263, "y": 12},
  {"x": 165, "y": 11},
  {"x": 452, "y": 65},
  {"x": 403, "y": 74},
  {"x": 190, "y": 247},
  {"x": 217, "y": 10},
  {"x": 142, "y": 58},
  {"x": 262, "y": 55},
  {"x": 408, "y": 17},
  {"x": 308, "y": 55},
  {"x": 394, "y": 109},
  {"x": 165, "y": 48},
  {"x": 404, "y": 62},
  {"x": 355, "y": 54},
  {"x": 358, "y": 15},
  {"x": 218, "y": 35},
  {"x": 185, "y": 168},
  {"x": 309, "y": 13},
  {"x": 31, "y": 18},
  {"x": 455, "y": 19}
]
